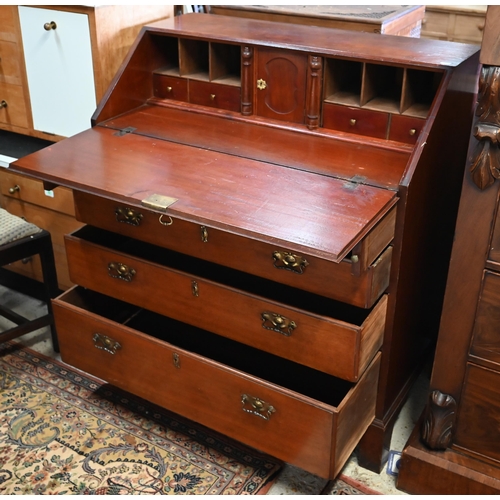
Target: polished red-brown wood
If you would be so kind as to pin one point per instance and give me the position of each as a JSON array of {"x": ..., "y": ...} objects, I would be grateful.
[
  {"x": 257, "y": 181},
  {"x": 314, "y": 430}
]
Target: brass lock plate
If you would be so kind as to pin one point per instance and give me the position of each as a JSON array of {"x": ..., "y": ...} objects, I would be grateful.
[{"x": 158, "y": 202}]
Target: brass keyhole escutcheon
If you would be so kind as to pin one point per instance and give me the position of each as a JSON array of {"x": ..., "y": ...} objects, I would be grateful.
[
  {"x": 50, "y": 26},
  {"x": 261, "y": 84}
]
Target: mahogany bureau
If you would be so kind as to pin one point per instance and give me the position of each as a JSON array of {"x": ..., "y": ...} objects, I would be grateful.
[{"x": 267, "y": 212}]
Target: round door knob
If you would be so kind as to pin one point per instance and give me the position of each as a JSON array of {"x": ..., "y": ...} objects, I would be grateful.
[
  {"x": 3, "y": 103},
  {"x": 50, "y": 26},
  {"x": 12, "y": 190}
]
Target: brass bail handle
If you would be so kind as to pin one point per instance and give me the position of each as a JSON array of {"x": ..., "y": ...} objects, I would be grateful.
[{"x": 50, "y": 26}]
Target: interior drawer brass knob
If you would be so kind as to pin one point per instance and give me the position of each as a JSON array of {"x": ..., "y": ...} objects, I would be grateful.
[
  {"x": 352, "y": 122},
  {"x": 3, "y": 103},
  {"x": 413, "y": 132},
  {"x": 14, "y": 189},
  {"x": 50, "y": 26}
]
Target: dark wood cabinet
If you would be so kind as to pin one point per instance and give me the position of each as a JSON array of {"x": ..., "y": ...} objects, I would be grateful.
[
  {"x": 456, "y": 446},
  {"x": 252, "y": 260}
]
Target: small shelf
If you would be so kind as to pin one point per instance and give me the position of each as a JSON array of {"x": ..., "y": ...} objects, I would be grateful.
[
  {"x": 225, "y": 64},
  {"x": 420, "y": 88},
  {"x": 381, "y": 87},
  {"x": 343, "y": 82},
  {"x": 194, "y": 59}
]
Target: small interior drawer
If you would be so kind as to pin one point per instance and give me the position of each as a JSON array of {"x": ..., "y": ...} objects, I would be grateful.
[
  {"x": 292, "y": 412},
  {"x": 215, "y": 95},
  {"x": 405, "y": 128},
  {"x": 32, "y": 191},
  {"x": 359, "y": 279},
  {"x": 170, "y": 87},
  {"x": 330, "y": 336},
  {"x": 355, "y": 120}
]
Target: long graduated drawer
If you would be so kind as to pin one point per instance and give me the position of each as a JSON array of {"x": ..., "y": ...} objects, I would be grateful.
[
  {"x": 359, "y": 279},
  {"x": 294, "y": 413},
  {"x": 332, "y": 337}
]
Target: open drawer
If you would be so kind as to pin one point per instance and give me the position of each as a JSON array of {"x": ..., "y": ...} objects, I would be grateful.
[
  {"x": 332, "y": 337},
  {"x": 297, "y": 414},
  {"x": 359, "y": 279}
]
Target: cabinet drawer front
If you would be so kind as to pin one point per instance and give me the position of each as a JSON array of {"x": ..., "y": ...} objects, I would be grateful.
[
  {"x": 8, "y": 17},
  {"x": 31, "y": 191},
  {"x": 356, "y": 121},
  {"x": 234, "y": 398},
  {"x": 9, "y": 68},
  {"x": 478, "y": 426},
  {"x": 170, "y": 87},
  {"x": 486, "y": 337},
  {"x": 14, "y": 113},
  {"x": 469, "y": 28},
  {"x": 405, "y": 129},
  {"x": 302, "y": 327},
  {"x": 360, "y": 284},
  {"x": 215, "y": 95}
]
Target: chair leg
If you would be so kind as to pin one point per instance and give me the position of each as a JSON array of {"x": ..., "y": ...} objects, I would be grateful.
[{"x": 50, "y": 280}]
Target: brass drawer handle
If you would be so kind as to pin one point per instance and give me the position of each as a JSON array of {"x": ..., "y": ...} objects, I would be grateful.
[
  {"x": 3, "y": 103},
  {"x": 278, "y": 323},
  {"x": 289, "y": 262},
  {"x": 352, "y": 122},
  {"x": 50, "y": 26},
  {"x": 14, "y": 189},
  {"x": 106, "y": 343},
  {"x": 256, "y": 406},
  {"x": 413, "y": 131},
  {"x": 121, "y": 271},
  {"x": 128, "y": 216}
]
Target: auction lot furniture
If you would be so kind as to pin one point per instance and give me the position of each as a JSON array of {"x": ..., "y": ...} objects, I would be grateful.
[
  {"x": 267, "y": 214},
  {"x": 456, "y": 23},
  {"x": 402, "y": 20},
  {"x": 456, "y": 448},
  {"x": 49, "y": 54}
]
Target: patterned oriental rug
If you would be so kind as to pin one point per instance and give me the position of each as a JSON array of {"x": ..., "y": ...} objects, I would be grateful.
[{"x": 63, "y": 432}]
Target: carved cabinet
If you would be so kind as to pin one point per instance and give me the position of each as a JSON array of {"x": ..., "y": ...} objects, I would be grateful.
[
  {"x": 456, "y": 447},
  {"x": 261, "y": 210}
]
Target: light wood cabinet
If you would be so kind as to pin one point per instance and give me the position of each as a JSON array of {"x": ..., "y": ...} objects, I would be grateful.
[
  {"x": 52, "y": 79},
  {"x": 51, "y": 210},
  {"x": 457, "y": 23}
]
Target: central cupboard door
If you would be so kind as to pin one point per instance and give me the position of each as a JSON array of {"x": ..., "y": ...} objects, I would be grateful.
[{"x": 281, "y": 85}]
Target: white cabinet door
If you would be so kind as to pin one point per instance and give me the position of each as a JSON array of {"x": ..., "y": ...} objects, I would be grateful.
[{"x": 58, "y": 60}]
